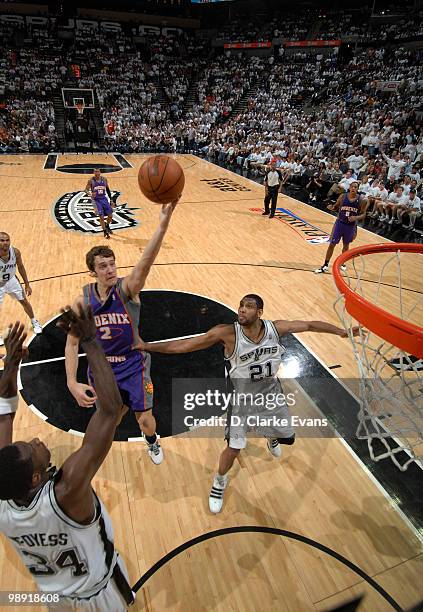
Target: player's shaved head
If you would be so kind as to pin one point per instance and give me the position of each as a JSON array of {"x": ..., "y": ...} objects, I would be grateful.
[{"x": 258, "y": 300}]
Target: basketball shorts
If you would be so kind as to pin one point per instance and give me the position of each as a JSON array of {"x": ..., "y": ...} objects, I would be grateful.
[
  {"x": 103, "y": 207},
  {"x": 115, "y": 597},
  {"x": 12, "y": 288},
  {"x": 242, "y": 423},
  {"x": 346, "y": 231},
  {"x": 134, "y": 382}
]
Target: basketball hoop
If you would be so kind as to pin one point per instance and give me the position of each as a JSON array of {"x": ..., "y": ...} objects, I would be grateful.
[{"x": 389, "y": 346}]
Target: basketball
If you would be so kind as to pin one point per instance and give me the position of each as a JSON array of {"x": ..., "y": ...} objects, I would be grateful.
[{"x": 161, "y": 179}]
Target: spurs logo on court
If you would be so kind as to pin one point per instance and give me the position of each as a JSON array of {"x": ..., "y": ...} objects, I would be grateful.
[
  {"x": 74, "y": 211},
  {"x": 225, "y": 184},
  {"x": 311, "y": 233}
]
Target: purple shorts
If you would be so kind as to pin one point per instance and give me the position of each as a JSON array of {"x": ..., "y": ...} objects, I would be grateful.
[
  {"x": 133, "y": 379},
  {"x": 103, "y": 207},
  {"x": 346, "y": 231}
]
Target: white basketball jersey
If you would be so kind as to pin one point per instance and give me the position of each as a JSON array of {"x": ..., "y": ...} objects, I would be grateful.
[
  {"x": 256, "y": 361},
  {"x": 63, "y": 556},
  {"x": 7, "y": 270}
]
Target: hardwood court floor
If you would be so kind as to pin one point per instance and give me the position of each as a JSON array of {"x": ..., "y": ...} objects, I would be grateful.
[{"x": 217, "y": 247}]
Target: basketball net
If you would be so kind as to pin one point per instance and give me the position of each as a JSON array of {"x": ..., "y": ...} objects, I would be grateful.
[
  {"x": 80, "y": 108},
  {"x": 388, "y": 348}
]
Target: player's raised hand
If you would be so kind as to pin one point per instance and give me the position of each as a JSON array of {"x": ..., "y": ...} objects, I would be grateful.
[
  {"x": 167, "y": 210},
  {"x": 79, "y": 324},
  {"x": 13, "y": 341}
]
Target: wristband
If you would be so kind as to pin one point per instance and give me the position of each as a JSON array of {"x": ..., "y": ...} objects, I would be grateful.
[{"x": 8, "y": 405}]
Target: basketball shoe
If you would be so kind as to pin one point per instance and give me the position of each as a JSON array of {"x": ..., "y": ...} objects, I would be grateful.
[
  {"x": 216, "y": 493},
  {"x": 36, "y": 326},
  {"x": 322, "y": 269},
  {"x": 274, "y": 447},
  {"x": 155, "y": 451}
]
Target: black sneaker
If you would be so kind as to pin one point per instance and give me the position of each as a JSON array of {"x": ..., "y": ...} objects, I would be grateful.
[
  {"x": 264, "y": 214},
  {"x": 109, "y": 231},
  {"x": 106, "y": 234}
]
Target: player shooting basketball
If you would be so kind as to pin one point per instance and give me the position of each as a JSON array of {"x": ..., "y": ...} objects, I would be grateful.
[
  {"x": 97, "y": 187},
  {"x": 116, "y": 306}
]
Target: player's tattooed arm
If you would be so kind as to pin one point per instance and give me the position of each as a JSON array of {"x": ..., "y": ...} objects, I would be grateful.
[
  {"x": 22, "y": 272},
  {"x": 296, "y": 327}
]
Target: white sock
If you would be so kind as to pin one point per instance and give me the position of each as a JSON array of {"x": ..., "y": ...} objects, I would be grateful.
[{"x": 221, "y": 479}]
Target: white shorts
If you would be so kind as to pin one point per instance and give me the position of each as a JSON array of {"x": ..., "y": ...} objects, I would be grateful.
[
  {"x": 8, "y": 405},
  {"x": 13, "y": 288},
  {"x": 274, "y": 424},
  {"x": 108, "y": 600}
]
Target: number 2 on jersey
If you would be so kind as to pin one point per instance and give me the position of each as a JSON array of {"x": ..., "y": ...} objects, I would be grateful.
[
  {"x": 256, "y": 371},
  {"x": 106, "y": 333}
]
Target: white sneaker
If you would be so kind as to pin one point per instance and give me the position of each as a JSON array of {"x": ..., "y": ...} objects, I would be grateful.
[
  {"x": 155, "y": 451},
  {"x": 36, "y": 326},
  {"x": 1, "y": 341},
  {"x": 274, "y": 447},
  {"x": 344, "y": 268},
  {"x": 322, "y": 269},
  {"x": 216, "y": 494}
]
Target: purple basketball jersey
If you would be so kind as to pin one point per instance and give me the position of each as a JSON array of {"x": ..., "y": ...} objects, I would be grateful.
[
  {"x": 348, "y": 208},
  {"x": 98, "y": 189},
  {"x": 116, "y": 328}
]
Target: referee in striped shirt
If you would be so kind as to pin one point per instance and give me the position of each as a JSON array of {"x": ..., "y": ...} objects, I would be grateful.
[{"x": 273, "y": 186}]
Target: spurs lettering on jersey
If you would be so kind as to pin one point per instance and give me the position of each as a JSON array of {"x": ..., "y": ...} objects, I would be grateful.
[
  {"x": 255, "y": 355},
  {"x": 8, "y": 270},
  {"x": 256, "y": 361}
]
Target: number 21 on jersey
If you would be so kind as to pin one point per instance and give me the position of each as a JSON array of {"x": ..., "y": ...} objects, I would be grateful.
[{"x": 259, "y": 371}]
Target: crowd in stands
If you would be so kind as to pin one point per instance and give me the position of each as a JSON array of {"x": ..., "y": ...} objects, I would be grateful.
[{"x": 317, "y": 115}]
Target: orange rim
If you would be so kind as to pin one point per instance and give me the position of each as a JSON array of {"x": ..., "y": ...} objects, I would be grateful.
[{"x": 402, "y": 334}]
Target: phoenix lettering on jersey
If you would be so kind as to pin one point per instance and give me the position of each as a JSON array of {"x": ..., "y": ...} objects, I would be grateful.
[
  {"x": 41, "y": 539},
  {"x": 349, "y": 208},
  {"x": 259, "y": 352},
  {"x": 111, "y": 318}
]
